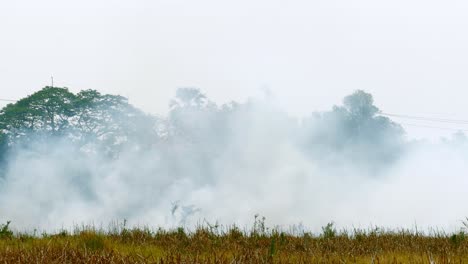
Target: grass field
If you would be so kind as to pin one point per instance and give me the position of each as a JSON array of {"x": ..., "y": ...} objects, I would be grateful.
[{"x": 213, "y": 244}]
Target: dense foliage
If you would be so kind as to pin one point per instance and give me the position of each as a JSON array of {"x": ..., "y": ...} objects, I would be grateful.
[{"x": 87, "y": 119}]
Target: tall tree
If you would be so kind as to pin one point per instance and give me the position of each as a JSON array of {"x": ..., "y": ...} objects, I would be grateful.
[
  {"x": 89, "y": 118},
  {"x": 354, "y": 131},
  {"x": 44, "y": 113}
]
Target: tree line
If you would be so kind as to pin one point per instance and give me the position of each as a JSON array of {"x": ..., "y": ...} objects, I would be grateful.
[{"x": 196, "y": 128}]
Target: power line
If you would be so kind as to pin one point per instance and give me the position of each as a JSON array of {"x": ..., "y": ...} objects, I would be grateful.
[
  {"x": 429, "y": 119},
  {"x": 434, "y": 127}
]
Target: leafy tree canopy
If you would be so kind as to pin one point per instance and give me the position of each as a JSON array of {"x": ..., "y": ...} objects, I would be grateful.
[
  {"x": 88, "y": 118},
  {"x": 354, "y": 130}
]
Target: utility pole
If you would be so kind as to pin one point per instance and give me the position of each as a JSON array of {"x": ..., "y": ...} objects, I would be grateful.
[{"x": 52, "y": 79}]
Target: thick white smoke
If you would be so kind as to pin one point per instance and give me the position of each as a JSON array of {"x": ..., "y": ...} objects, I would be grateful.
[{"x": 260, "y": 166}]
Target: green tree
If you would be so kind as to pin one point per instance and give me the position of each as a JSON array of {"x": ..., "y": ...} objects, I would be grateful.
[
  {"x": 111, "y": 119},
  {"x": 44, "y": 113},
  {"x": 191, "y": 115},
  {"x": 89, "y": 119},
  {"x": 354, "y": 131},
  {"x": 360, "y": 104},
  {"x": 197, "y": 132}
]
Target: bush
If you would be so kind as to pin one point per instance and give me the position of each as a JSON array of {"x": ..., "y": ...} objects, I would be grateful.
[
  {"x": 5, "y": 231},
  {"x": 328, "y": 231},
  {"x": 457, "y": 239}
]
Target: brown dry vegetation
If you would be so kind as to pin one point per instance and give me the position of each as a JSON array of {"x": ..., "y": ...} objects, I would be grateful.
[{"x": 210, "y": 245}]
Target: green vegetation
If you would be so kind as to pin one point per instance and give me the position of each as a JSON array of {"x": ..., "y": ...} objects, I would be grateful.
[
  {"x": 5, "y": 231},
  {"x": 88, "y": 118}
]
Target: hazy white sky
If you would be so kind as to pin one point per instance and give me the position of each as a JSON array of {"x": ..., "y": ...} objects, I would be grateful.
[{"x": 412, "y": 55}]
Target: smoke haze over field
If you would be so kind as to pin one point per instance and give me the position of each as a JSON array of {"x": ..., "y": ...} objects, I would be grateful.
[
  {"x": 410, "y": 54},
  {"x": 222, "y": 163}
]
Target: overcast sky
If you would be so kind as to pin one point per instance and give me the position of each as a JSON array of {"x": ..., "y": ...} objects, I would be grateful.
[{"x": 412, "y": 55}]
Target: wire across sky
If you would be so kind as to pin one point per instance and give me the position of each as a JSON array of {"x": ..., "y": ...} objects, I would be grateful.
[{"x": 428, "y": 121}]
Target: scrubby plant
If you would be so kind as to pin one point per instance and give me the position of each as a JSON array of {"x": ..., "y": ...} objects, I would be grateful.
[
  {"x": 329, "y": 231},
  {"x": 5, "y": 231}
]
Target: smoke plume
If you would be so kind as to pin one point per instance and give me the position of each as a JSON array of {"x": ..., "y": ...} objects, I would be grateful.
[{"x": 101, "y": 160}]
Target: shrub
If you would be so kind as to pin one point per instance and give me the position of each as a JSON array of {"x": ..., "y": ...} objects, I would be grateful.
[
  {"x": 5, "y": 231},
  {"x": 328, "y": 231}
]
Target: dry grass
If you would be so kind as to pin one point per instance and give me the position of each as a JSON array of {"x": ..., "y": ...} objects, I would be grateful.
[{"x": 210, "y": 245}]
